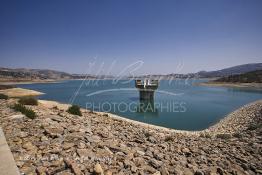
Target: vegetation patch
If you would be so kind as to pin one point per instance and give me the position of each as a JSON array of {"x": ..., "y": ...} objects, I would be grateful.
[
  {"x": 237, "y": 135},
  {"x": 224, "y": 136},
  {"x": 169, "y": 138},
  {"x": 249, "y": 77},
  {"x": 28, "y": 101},
  {"x": 55, "y": 108},
  {"x": 27, "y": 112},
  {"x": 206, "y": 135},
  {"x": 254, "y": 126},
  {"x": 3, "y": 96},
  {"x": 75, "y": 110},
  {"x": 148, "y": 134}
]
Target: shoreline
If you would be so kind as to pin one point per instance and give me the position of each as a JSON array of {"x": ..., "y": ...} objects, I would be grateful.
[
  {"x": 255, "y": 86},
  {"x": 22, "y": 92},
  {"x": 64, "y": 106},
  {"x": 27, "y": 82},
  {"x": 213, "y": 129}
]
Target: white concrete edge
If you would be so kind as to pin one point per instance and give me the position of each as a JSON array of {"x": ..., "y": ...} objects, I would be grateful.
[{"x": 7, "y": 162}]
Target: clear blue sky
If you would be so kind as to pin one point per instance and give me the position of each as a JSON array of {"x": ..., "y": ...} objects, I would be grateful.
[{"x": 67, "y": 35}]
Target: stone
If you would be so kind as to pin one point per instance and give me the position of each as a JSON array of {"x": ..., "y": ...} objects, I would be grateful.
[
  {"x": 17, "y": 117},
  {"x": 140, "y": 153},
  {"x": 148, "y": 168},
  {"x": 185, "y": 150},
  {"x": 56, "y": 118},
  {"x": 155, "y": 163},
  {"x": 29, "y": 146},
  {"x": 108, "y": 172},
  {"x": 93, "y": 139},
  {"x": 157, "y": 173},
  {"x": 98, "y": 169},
  {"x": 73, "y": 166},
  {"x": 54, "y": 132},
  {"x": 41, "y": 170},
  {"x": 44, "y": 138},
  {"x": 23, "y": 134},
  {"x": 187, "y": 171},
  {"x": 81, "y": 145},
  {"x": 152, "y": 139},
  {"x": 133, "y": 169},
  {"x": 85, "y": 153},
  {"x": 164, "y": 170},
  {"x": 198, "y": 172},
  {"x": 68, "y": 145}
]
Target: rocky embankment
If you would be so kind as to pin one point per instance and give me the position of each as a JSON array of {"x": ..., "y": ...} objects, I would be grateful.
[{"x": 60, "y": 143}]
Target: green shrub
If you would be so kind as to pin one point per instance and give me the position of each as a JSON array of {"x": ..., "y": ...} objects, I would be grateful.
[
  {"x": 148, "y": 134},
  {"x": 55, "y": 108},
  {"x": 3, "y": 96},
  {"x": 169, "y": 138},
  {"x": 75, "y": 110},
  {"x": 254, "y": 126},
  {"x": 224, "y": 136},
  {"x": 27, "y": 112},
  {"x": 28, "y": 101},
  {"x": 206, "y": 135},
  {"x": 238, "y": 135}
]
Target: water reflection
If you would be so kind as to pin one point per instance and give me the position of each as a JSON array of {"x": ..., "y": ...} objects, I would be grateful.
[{"x": 147, "y": 107}]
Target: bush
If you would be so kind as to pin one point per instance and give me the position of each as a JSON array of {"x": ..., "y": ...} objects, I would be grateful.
[
  {"x": 206, "y": 135},
  {"x": 27, "y": 112},
  {"x": 55, "y": 108},
  {"x": 28, "y": 101},
  {"x": 254, "y": 126},
  {"x": 75, "y": 110},
  {"x": 169, "y": 138},
  {"x": 3, "y": 96},
  {"x": 147, "y": 134},
  {"x": 224, "y": 136}
]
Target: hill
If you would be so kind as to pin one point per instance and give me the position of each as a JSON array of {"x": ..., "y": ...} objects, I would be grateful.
[
  {"x": 240, "y": 69},
  {"x": 249, "y": 77},
  {"x": 22, "y": 74}
]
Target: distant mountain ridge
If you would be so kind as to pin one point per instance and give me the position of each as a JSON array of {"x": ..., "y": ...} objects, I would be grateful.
[
  {"x": 38, "y": 74},
  {"x": 248, "y": 77},
  {"x": 22, "y": 74},
  {"x": 240, "y": 69}
]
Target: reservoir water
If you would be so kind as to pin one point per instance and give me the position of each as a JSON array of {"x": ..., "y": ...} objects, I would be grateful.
[{"x": 178, "y": 104}]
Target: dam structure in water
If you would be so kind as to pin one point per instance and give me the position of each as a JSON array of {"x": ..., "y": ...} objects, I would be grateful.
[{"x": 146, "y": 89}]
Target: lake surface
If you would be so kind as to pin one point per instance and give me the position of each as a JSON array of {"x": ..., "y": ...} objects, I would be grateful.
[{"x": 178, "y": 104}]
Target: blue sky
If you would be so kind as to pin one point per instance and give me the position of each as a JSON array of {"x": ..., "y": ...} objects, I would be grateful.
[{"x": 193, "y": 35}]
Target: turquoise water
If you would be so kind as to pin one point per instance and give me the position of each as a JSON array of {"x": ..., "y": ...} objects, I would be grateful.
[{"x": 178, "y": 104}]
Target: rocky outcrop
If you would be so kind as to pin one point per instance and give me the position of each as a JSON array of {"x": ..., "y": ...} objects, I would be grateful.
[{"x": 60, "y": 143}]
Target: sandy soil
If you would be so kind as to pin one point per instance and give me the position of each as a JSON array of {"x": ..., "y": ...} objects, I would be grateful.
[{"x": 20, "y": 92}]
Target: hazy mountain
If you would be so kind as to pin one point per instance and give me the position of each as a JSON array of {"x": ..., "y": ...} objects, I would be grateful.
[
  {"x": 45, "y": 74},
  {"x": 249, "y": 77},
  {"x": 37, "y": 74},
  {"x": 240, "y": 69}
]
